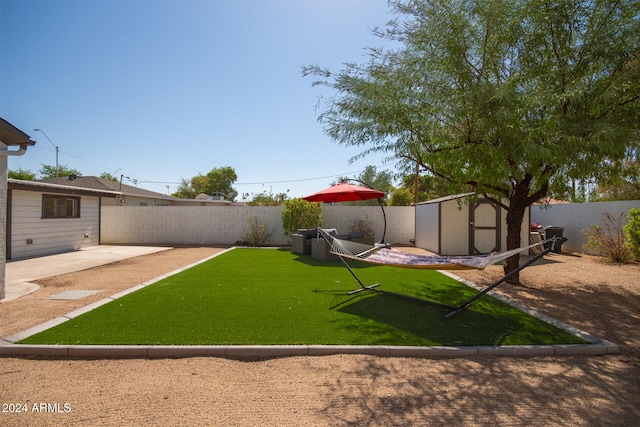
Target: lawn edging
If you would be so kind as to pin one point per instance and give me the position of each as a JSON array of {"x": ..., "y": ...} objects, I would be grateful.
[
  {"x": 8, "y": 346},
  {"x": 275, "y": 351}
]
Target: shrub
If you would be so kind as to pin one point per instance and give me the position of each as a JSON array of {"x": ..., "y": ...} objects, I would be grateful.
[
  {"x": 256, "y": 233},
  {"x": 632, "y": 231},
  {"x": 363, "y": 226},
  {"x": 609, "y": 239},
  {"x": 298, "y": 213}
]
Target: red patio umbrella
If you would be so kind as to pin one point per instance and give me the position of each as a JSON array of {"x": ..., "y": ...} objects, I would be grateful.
[{"x": 345, "y": 192}]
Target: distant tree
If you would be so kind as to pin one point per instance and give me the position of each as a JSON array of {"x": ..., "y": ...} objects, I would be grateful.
[
  {"x": 218, "y": 180},
  {"x": 623, "y": 184},
  {"x": 431, "y": 187},
  {"x": 190, "y": 188},
  {"x": 380, "y": 181},
  {"x": 49, "y": 171},
  {"x": 401, "y": 197},
  {"x": 110, "y": 177},
  {"x": 221, "y": 180},
  {"x": 25, "y": 175},
  {"x": 268, "y": 199}
]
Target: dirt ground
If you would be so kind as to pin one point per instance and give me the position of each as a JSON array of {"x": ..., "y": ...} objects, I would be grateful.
[{"x": 342, "y": 390}]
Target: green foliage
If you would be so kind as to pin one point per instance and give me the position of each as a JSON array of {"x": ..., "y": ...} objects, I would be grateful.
[
  {"x": 49, "y": 171},
  {"x": 25, "y": 175},
  {"x": 370, "y": 176},
  {"x": 218, "y": 180},
  {"x": 110, "y": 177},
  {"x": 298, "y": 213},
  {"x": 362, "y": 226},
  {"x": 609, "y": 239},
  {"x": 512, "y": 98},
  {"x": 632, "y": 232},
  {"x": 267, "y": 199},
  {"x": 401, "y": 197},
  {"x": 431, "y": 187},
  {"x": 256, "y": 233},
  {"x": 621, "y": 180}
]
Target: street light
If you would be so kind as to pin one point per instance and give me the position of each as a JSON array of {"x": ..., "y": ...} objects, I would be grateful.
[{"x": 46, "y": 136}]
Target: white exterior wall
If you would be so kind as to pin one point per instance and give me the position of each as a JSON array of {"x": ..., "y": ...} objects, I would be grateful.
[
  {"x": 224, "y": 225},
  {"x": 575, "y": 217},
  {"x": 50, "y": 235}
]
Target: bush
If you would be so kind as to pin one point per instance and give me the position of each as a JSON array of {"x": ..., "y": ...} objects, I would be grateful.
[
  {"x": 632, "y": 231},
  {"x": 609, "y": 239},
  {"x": 256, "y": 233},
  {"x": 298, "y": 213},
  {"x": 363, "y": 226}
]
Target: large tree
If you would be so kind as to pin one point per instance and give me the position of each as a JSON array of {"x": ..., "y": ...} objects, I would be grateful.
[{"x": 513, "y": 98}]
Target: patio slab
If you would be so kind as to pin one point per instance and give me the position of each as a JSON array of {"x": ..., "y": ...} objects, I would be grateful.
[{"x": 21, "y": 273}]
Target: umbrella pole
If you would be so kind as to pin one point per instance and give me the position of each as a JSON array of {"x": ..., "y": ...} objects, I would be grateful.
[{"x": 384, "y": 216}]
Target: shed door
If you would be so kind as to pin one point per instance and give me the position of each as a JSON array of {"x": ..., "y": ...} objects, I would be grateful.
[{"x": 484, "y": 227}]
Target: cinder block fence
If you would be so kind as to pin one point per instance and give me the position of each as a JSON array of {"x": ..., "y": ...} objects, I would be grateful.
[{"x": 224, "y": 225}]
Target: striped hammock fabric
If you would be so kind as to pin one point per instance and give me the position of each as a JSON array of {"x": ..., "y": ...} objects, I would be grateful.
[{"x": 384, "y": 255}]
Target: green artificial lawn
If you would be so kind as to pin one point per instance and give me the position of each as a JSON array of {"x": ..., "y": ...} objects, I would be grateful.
[{"x": 273, "y": 296}]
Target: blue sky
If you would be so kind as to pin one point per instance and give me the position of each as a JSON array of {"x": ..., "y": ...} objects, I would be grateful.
[{"x": 160, "y": 90}]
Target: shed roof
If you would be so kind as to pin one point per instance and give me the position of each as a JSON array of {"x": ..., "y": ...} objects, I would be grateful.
[{"x": 446, "y": 198}]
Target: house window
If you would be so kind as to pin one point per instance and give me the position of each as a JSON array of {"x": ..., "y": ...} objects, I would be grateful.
[{"x": 60, "y": 206}]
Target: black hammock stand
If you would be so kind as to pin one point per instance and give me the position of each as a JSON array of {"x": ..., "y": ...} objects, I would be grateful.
[{"x": 453, "y": 310}]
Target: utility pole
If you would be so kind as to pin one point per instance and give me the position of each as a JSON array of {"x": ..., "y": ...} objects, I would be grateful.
[{"x": 46, "y": 136}]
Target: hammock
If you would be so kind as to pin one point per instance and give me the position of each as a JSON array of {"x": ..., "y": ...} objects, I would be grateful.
[{"x": 384, "y": 255}]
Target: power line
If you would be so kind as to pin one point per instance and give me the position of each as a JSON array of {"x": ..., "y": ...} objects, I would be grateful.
[
  {"x": 294, "y": 180},
  {"x": 287, "y": 181},
  {"x": 140, "y": 181}
]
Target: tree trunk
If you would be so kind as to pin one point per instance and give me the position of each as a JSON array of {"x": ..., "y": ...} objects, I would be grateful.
[{"x": 515, "y": 215}]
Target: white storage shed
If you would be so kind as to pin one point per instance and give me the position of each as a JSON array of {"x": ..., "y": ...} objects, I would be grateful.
[{"x": 459, "y": 225}]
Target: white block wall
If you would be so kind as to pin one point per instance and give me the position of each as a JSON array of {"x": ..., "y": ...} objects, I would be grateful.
[
  {"x": 575, "y": 217},
  {"x": 224, "y": 225},
  {"x": 202, "y": 225},
  {"x": 400, "y": 220}
]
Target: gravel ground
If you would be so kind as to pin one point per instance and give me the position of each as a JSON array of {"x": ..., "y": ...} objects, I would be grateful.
[{"x": 341, "y": 390}]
